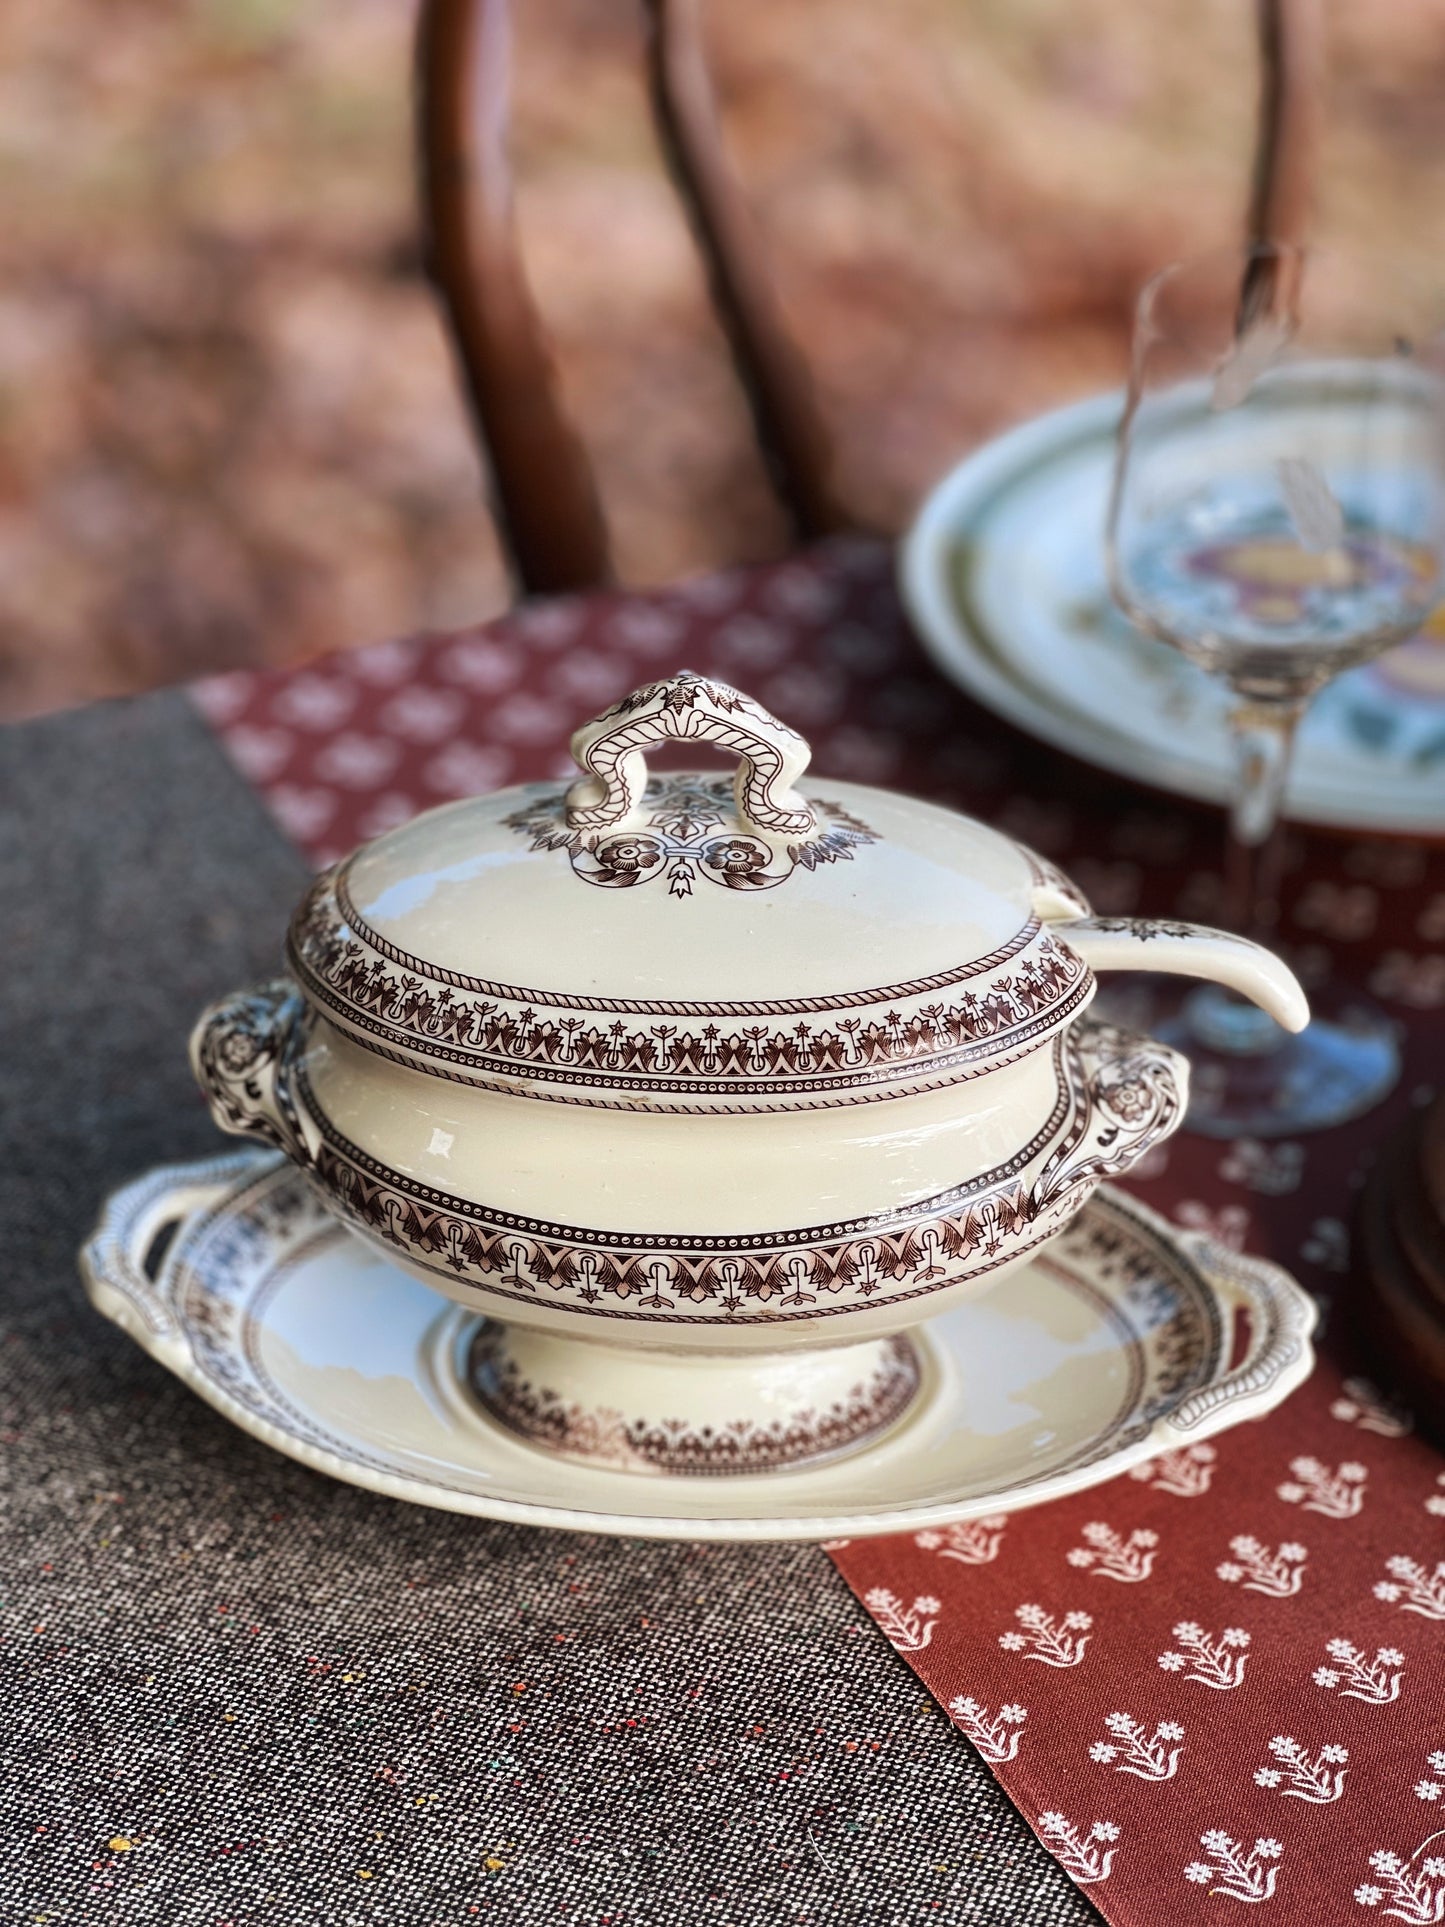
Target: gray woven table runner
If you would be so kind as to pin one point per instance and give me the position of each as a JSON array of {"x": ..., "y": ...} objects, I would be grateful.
[{"x": 235, "y": 1692}]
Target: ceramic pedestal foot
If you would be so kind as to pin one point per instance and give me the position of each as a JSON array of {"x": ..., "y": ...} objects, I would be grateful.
[{"x": 663, "y": 1412}]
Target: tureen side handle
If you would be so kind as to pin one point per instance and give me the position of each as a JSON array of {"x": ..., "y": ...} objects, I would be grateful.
[
  {"x": 1189, "y": 950},
  {"x": 690, "y": 708},
  {"x": 1129, "y": 1092},
  {"x": 1281, "y": 1316},
  {"x": 239, "y": 1051}
]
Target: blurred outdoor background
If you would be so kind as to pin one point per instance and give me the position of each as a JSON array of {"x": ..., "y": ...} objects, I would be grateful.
[{"x": 229, "y": 430}]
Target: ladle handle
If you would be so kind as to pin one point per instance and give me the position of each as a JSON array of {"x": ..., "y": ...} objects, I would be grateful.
[{"x": 1189, "y": 950}]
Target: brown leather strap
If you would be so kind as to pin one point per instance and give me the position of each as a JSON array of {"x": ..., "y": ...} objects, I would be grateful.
[{"x": 542, "y": 482}]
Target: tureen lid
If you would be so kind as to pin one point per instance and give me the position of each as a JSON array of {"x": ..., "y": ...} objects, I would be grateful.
[{"x": 692, "y": 940}]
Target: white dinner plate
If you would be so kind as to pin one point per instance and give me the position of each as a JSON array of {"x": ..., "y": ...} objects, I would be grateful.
[{"x": 1003, "y": 577}]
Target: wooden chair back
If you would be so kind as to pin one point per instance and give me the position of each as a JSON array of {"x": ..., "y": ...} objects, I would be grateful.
[{"x": 544, "y": 494}]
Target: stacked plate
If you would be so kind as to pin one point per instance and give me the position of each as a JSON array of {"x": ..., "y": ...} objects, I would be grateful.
[{"x": 1003, "y": 575}]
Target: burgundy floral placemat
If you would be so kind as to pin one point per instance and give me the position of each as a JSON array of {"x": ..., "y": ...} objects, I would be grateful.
[
  {"x": 1222, "y": 1680},
  {"x": 1219, "y": 1678}
]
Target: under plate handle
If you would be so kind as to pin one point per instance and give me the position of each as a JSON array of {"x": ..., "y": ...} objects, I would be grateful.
[
  {"x": 1281, "y": 1317},
  {"x": 125, "y": 1263}
]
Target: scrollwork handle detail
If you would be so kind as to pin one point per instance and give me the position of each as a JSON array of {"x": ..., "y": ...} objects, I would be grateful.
[
  {"x": 239, "y": 1049},
  {"x": 688, "y": 707},
  {"x": 1130, "y": 1092}
]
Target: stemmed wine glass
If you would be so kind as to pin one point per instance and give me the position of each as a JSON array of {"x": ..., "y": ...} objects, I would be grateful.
[{"x": 1278, "y": 516}]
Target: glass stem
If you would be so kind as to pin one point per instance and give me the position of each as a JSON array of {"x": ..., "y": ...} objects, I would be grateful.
[{"x": 1263, "y": 733}]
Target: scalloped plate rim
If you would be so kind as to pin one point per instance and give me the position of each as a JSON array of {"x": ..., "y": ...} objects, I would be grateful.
[{"x": 140, "y": 1205}]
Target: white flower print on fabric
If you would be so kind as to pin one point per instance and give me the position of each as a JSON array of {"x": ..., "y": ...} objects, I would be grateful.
[
  {"x": 1153, "y": 1164},
  {"x": 1186, "y": 1471},
  {"x": 748, "y": 639},
  {"x": 424, "y": 715},
  {"x": 1327, "y": 1245},
  {"x": 467, "y": 769},
  {"x": 315, "y": 702},
  {"x": 592, "y": 680},
  {"x": 485, "y": 664},
  {"x": 1336, "y": 1495},
  {"x": 1218, "y": 1663},
  {"x": 1039, "y": 1636},
  {"x": 1416, "y": 981},
  {"x": 386, "y": 812},
  {"x": 1230, "y": 1870},
  {"x": 1344, "y": 911},
  {"x": 813, "y": 698},
  {"x": 1228, "y": 1226},
  {"x": 863, "y": 650},
  {"x": 802, "y": 593},
  {"x": 1298, "y": 1775},
  {"x": 1255, "y": 1567},
  {"x": 1271, "y": 1169},
  {"x": 1365, "y": 1405},
  {"x": 1395, "y": 864},
  {"x": 1412, "y": 1588},
  {"x": 973, "y": 1543},
  {"x": 908, "y": 1629},
  {"x": 862, "y": 755},
  {"x": 382, "y": 664},
  {"x": 303, "y": 813},
  {"x": 646, "y": 630},
  {"x": 753, "y": 643},
  {"x": 1436, "y": 1501},
  {"x": 222, "y": 698},
  {"x": 1131, "y": 1748},
  {"x": 1086, "y": 1857},
  {"x": 261, "y": 753},
  {"x": 548, "y": 625},
  {"x": 1414, "y": 1896},
  {"x": 525, "y": 718},
  {"x": 996, "y": 1735},
  {"x": 355, "y": 761},
  {"x": 1376, "y": 1681},
  {"x": 1432, "y": 1789},
  {"x": 1109, "y": 1555}
]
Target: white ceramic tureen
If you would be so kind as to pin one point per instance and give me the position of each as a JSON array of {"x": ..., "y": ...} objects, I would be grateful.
[{"x": 704, "y": 1090}]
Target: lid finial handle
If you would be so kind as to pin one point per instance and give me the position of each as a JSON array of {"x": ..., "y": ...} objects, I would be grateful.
[{"x": 688, "y": 707}]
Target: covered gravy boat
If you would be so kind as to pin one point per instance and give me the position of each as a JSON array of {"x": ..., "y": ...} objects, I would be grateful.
[{"x": 704, "y": 1089}]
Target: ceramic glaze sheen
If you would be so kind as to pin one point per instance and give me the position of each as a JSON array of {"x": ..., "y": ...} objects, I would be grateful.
[
  {"x": 905, "y": 890},
  {"x": 1114, "y": 1345},
  {"x": 683, "y": 1063}
]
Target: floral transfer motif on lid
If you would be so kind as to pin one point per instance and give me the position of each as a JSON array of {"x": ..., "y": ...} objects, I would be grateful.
[{"x": 688, "y": 832}]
